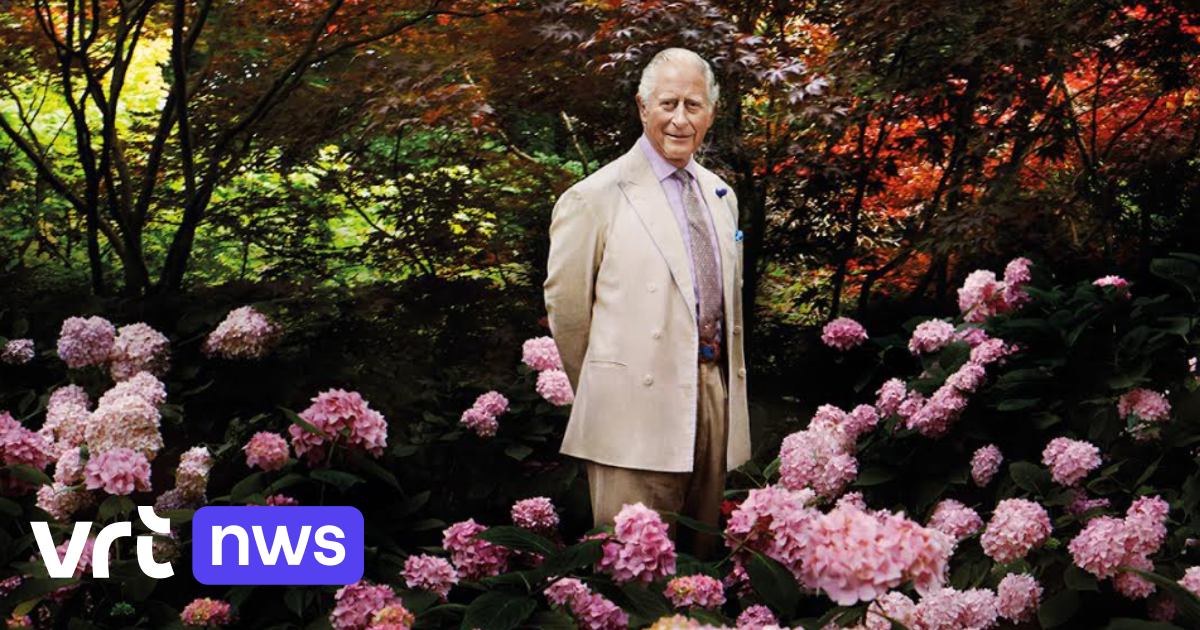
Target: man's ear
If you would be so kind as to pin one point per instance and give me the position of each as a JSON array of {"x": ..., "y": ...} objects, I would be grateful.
[{"x": 637, "y": 98}]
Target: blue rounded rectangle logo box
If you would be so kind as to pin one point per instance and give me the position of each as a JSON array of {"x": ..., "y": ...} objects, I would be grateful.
[{"x": 277, "y": 545}]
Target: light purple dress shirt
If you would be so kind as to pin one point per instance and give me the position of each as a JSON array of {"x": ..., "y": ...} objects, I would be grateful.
[{"x": 674, "y": 190}]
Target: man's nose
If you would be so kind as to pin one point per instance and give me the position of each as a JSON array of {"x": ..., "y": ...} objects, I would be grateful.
[{"x": 679, "y": 117}]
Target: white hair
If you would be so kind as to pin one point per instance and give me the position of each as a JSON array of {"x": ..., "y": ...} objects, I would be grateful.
[{"x": 676, "y": 55}]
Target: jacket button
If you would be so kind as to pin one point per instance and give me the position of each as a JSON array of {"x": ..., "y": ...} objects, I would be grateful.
[
  {"x": 648, "y": 380},
  {"x": 737, "y": 330},
  {"x": 651, "y": 287},
  {"x": 657, "y": 334},
  {"x": 742, "y": 373}
]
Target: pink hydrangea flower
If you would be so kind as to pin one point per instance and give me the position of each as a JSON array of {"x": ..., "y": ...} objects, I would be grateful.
[
  {"x": 843, "y": 334},
  {"x": 1161, "y": 608},
  {"x": 138, "y": 348},
  {"x": 1146, "y": 522},
  {"x": 972, "y": 336},
  {"x": 66, "y": 419},
  {"x": 967, "y": 378},
  {"x": 536, "y": 514},
  {"x": 755, "y": 617},
  {"x": 479, "y": 421},
  {"x": 991, "y": 351},
  {"x": 555, "y": 387},
  {"x": 1017, "y": 527},
  {"x": 266, "y": 450},
  {"x": 493, "y": 403},
  {"x": 392, "y": 617},
  {"x": 564, "y": 590},
  {"x": 950, "y": 609},
  {"x": 1132, "y": 585},
  {"x": 429, "y": 573},
  {"x": 817, "y": 459},
  {"x": 334, "y": 410},
  {"x": 142, "y": 385},
  {"x": 125, "y": 422},
  {"x": 641, "y": 550},
  {"x": 890, "y": 395},
  {"x": 19, "y": 445},
  {"x": 955, "y": 519},
  {"x": 937, "y": 416},
  {"x": 206, "y": 612},
  {"x": 1016, "y": 276},
  {"x": 355, "y": 605},
  {"x": 1070, "y": 460},
  {"x": 244, "y": 334},
  {"x": 18, "y": 352},
  {"x": 1191, "y": 580},
  {"x": 541, "y": 354},
  {"x": 1020, "y": 595},
  {"x": 473, "y": 558},
  {"x": 277, "y": 500},
  {"x": 118, "y": 471},
  {"x": 68, "y": 470},
  {"x": 592, "y": 611},
  {"x": 985, "y": 463},
  {"x": 772, "y": 521},
  {"x": 891, "y": 606},
  {"x": 61, "y": 501},
  {"x": 695, "y": 590},
  {"x": 191, "y": 476},
  {"x": 1119, "y": 284},
  {"x": 1147, "y": 407},
  {"x": 1080, "y": 502},
  {"x": 981, "y": 296},
  {"x": 83, "y": 342},
  {"x": 931, "y": 336}
]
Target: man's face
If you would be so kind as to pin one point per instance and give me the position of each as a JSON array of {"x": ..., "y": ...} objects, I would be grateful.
[{"x": 677, "y": 115}]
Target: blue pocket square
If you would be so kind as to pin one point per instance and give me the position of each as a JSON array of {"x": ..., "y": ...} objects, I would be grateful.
[{"x": 737, "y": 236}]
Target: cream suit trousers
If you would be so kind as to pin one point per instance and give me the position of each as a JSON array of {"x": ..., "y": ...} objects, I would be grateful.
[{"x": 696, "y": 494}]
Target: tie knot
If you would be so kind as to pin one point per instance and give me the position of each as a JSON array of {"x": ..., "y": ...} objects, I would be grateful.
[{"x": 681, "y": 175}]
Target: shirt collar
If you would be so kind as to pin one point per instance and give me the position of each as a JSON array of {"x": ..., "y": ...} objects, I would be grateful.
[{"x": 662, "y": 168}]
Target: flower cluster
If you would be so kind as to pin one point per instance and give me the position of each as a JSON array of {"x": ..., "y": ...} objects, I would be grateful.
[
  {"x": 555, "y": 387},
  {"x": 125, "y": 419},
  {"x": 244, "y": 334},
  {"x": 955, "y": 519},
  {"x": 1070, "y": 460},
  {"x": 429, "y": 573},
  {"x": 19, "y": 445},
  {"x": 1119, "y": 285},
  {"x": 481, "y": 417},
  {"x": 138, "y": 348},
  {"x": 931, "y": 336},
  {"x": 536, "y": 515},
  {"x": 67, "y": 414},
  {"x": 772, "y": 521},
  {"x": 541, "y": 354},
  {"x": 985, "y": 463},
  {"x": 982, "y": 295},
  {"x": 695, "y": 590},
  {"x": 472, "y": 557},
  {"x": 17, "y": 352},
  {"x": 268, "y": 451},
  {"x": 85, "y": 342},
  {"x": 117, "y": 471},
  {"x": 331, "y": 412},
  {"x": 843, "y": 334},
  {"x": 754, "y": 617},
  {"x": 1017, "y": 526},
  {"x": 1108, "y": 544},
  {"x": 951, "y": 609},
  {"x": 1142, "y": 409},
  {"x": 817, "y": 458},
  {"x": 890, "y": 395},
  {"x": 206, "y": 612},
  {"x": 355, "y": 604},
  {"x": 1020, "y": 594},
  {"x": 592, "y": 611},
  {"x": 191, "y": 476},
  {"x": 392, "y": 617},
  {"x": 640, "y": 550}
]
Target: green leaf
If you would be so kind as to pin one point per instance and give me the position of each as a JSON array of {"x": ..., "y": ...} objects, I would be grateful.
[
  {"x": 518, "y": 451},
  {"x": 1139, "y": 624},
  {"x": 294, "y": 599},
  {"x": 574, "y": 557},
  {"x": 286, "y": 481},
  {"x": 1017, "y": 404},
  {"x": 9, "y": 508},
  {"x": 115, "y": 506},
  {"x": 245, "y": 489},
  {"x": 498, "y": 610},
  {"x": 1186, "y": 602},
  {"x": 376, "y": 470},
  {"x": 343, "y": 481},
  {"x": 693, "y": 524},
  {"x": 302, "y": 423},
  {"x": 550, "y": 620},
  {"x": 874, "y": 476},
  {"x": 649, "y": 604},
  {"x": 518, "y": 539},
  {"x": 1080, "y": 580},
  {"x": 1059, "y": 608},
  {"x": 774, "y": 583},
  {"x": 28, "y": 473},
  {"x": 1029, "y": 477}
]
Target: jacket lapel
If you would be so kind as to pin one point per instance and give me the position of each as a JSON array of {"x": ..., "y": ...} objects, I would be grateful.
[{"x": 645, "y": 194}]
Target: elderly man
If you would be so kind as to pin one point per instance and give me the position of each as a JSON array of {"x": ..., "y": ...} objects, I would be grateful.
[{"x": 644, "y": 304}]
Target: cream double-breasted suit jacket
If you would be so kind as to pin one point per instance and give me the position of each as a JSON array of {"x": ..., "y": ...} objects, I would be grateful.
[{"x": 622, "y": 311}]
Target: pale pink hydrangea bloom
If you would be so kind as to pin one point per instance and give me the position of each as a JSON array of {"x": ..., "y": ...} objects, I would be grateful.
[
  {"x": 1020, "y": 595},
  {"x": 69, "y": 394},
  {"x": 843, "y": 334},
  {"x": 592, "y": 611},
  {"x": 1146, "y": 521},
  {"x": 1132, "y": 585},
  {"x": 695, "y": 590},
  {"x": 125, "y": 422},
  {"x": 334, "y": 410},
  {"x": 816, "y": 459},
  {"x": 1149, "y": 407},
  {"x": 772, "y": 521},
  {"x": 931, "y": 336},
  {"x": 536, "y": 514},
  {"x": 266, "y": 450},
  {"x": 939, "y": 413},
  {"x": 191, "y": 476},
  {"x": 955, "y": 519},
  {"x": 277, "y": 500},
  {"x": 392, "y": 617},
  {"x": 1121, "y": 285},
  {"x": 985, "y": 463},
  {"x": 493, "y": 403},
  {"x": 891, "y": 394},
  {"x": 1070, "y": 460},
  {"x": 755, "y": 617},
  {"x": 891, "y": 606},
  {"x": 19, "y": 445},
  {"x": 1080, "y": 502},
  {"x": 972, "y": 336},
  {"x": 245, "y": 333},
  {"x": 1016, "y": 276},
  {"x": 83, "y": 342},
  {"x": 66, "y": 423},
  {"x": 991, "y": 351},
  {"x": 950, "y": 609},
  {"x": 968, "y": 378},
  {"x": 564, "y": 590},
  {"x": 17, "y": 352},
  {"x": 206, "y": 612},
  {"x": 541, "y": 354},
  {"x": 1017, "y": 527},
  {"x": 479, "y": 421},
  {"x": 1191, "y": 580},
  {"x": 355, "y": 605},
  {"x": 473, "y": 558},
  {"x": 68, "y": 470},
  {"x": 555, "y": 387},
  {"x": 142, "y": 385},
  {"x": 138, "y": 348},
  {"x": 117, "y": 471},
  {"x": 854, "y": 499},
  {"x": 641, "y": 550},
  {"x": 61, "y": 501},
  {"x": 429, "y": 573},
  {"x": 1101, "y": 547},
  {"x": 981, "y": 296}
]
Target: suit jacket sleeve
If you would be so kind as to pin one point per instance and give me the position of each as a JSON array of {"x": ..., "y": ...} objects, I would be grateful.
[{"x": 576, "y": 249}]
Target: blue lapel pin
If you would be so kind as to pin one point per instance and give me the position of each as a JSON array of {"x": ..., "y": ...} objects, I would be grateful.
[
  {"x": 722, "y": 191},
  {"x": 737, "y": 236}
]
